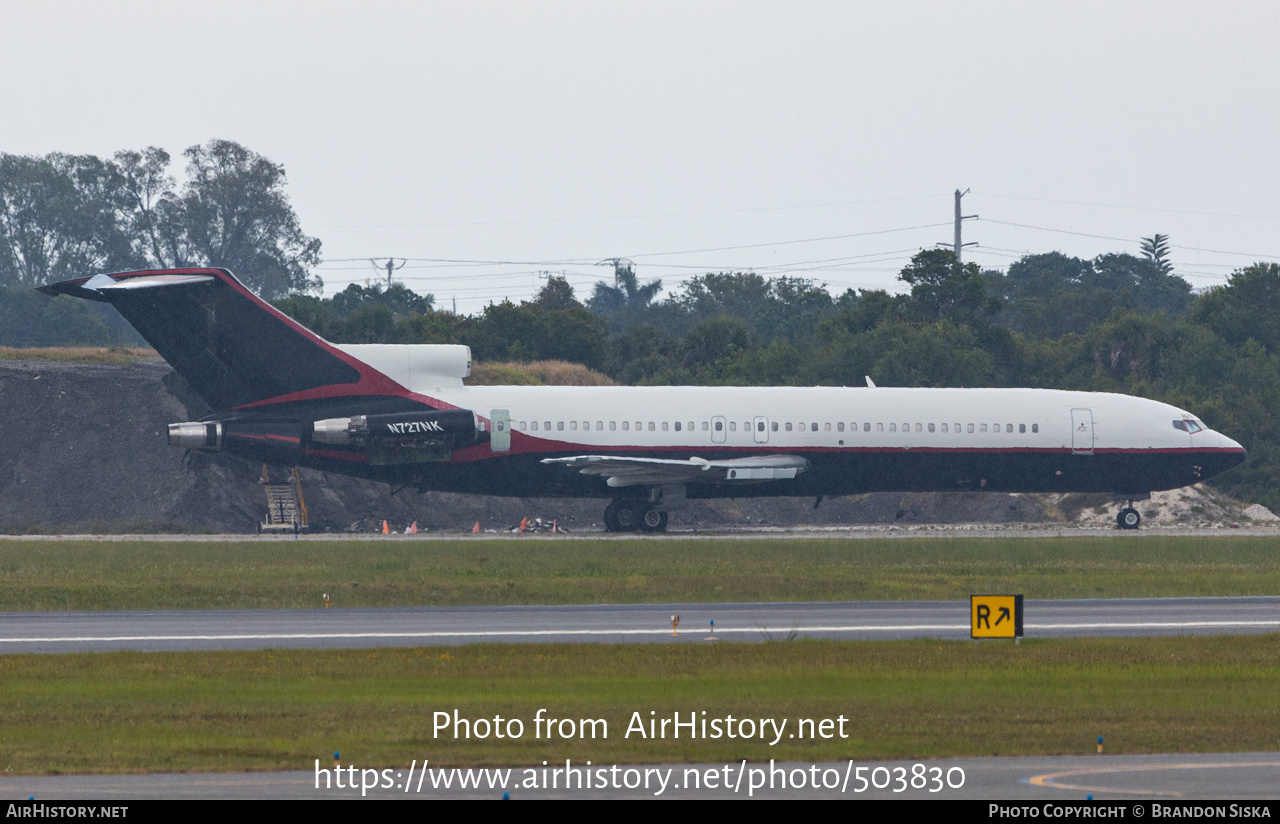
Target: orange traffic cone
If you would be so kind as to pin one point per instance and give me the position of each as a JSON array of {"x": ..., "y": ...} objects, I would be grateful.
[
  {"x": 476, "y": 528},
  {"x": 386, "y": 530},
  {"x": 524, "y": 524},
  {"x": 413, "y": 528}
]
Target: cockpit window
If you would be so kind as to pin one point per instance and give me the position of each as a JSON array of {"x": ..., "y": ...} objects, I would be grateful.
[
  {"x": 1180, "y": 425},
  {"x": 1189, "y": 425}
]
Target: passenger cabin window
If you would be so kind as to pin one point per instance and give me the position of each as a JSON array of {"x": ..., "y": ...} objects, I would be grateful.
[
  {"x": 613, "y": 425},
  {"x": 547, "y": 425},
  {"x": 944, "y": 427},
  {"x": 559, "y": 426},
  {"x": 918, "y": 428},
  {"x": 984, "y": 427},
  {"x": 533, "y": 425},
  {"x": 677, "y": 426},
  {"x": 704, "y": 426},
  {"x": 893, "y": 427},
  {"x": 879, "y": 427},
  {"x": 788, "y": 426},
  {"x": 719, "y": 426},
  {"x": 866, "y": 427},
  {"x": 840, "y": 427},
  {"x": 1022, "y": 428},
  {"x": 813, "y": 427},
  {"x": 651, "y": 426},
  {"x": 774, "y": 426},
  {"x": 626, "y": 426},
  {"x": 521, "y": 426},
  {"x": 931, "y": 427},
  {"x": 1008, "y": 428},
  {"x": 664, "y": 426},
  {"x": 692, "y": 427},
  {"x": 733, "y": 426},
  {"x": 1035, "y": 427}
]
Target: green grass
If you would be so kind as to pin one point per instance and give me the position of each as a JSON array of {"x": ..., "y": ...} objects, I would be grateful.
[
  {"x": 122, "y": 712},
  {"x": 110, "y": 355},
  {"x": 94, "y": 575}
]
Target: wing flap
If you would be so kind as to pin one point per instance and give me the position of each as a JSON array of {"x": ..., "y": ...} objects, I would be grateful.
[{"x": 625, "y": 471}]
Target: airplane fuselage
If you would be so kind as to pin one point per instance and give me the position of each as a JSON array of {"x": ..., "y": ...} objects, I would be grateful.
[{"x": 856, "y": 440}]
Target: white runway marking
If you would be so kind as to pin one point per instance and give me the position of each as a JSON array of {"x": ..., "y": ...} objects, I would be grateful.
[{"x": 629, "y": 632}]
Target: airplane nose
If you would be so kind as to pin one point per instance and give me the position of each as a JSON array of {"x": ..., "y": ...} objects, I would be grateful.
[{"x": 1226, "y": 443}]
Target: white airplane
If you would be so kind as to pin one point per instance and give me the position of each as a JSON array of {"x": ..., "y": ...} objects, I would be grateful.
[{"x": 402, "y": 414}]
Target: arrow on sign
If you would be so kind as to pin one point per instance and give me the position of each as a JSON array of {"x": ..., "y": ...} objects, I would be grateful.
[{"x": 1004, "y": 616}]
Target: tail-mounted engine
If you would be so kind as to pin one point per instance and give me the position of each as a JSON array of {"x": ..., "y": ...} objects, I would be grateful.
[
  {"x": 409, "y": 437},
  {"x": 404, "y": 438}
]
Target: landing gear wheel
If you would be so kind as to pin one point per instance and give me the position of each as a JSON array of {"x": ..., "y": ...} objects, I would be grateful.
[
  {"x": 1128, "y": 518},
  {"x": 620, "y": 516},
  {"x": 653, "y": 521}
]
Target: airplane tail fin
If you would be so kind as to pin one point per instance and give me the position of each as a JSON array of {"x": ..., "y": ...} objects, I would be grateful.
[{"x": 233, "y": 348}]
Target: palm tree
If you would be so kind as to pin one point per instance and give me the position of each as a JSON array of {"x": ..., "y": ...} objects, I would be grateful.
[{"x": 623, "y": 302}]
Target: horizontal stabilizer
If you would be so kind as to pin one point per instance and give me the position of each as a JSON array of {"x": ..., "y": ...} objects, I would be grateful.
[{"x": 622, "y": 471}]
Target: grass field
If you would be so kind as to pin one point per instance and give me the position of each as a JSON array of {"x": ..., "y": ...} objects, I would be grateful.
[
  {"x": 129, "y": 712},
  {"x": 70, "y": 575},
  {"x": 111, "y": 355}
]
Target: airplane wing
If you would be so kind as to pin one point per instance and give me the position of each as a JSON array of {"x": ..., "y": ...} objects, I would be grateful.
[{"x": 622, "y": 471}]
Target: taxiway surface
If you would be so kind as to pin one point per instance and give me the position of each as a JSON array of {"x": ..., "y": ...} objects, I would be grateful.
[
  {"x": 612, "y": 623},
  {"x": 1129, "y": 779}
]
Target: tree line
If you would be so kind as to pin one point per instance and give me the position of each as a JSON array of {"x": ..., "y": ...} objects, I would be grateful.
[{"x": 1117, "y": 322}]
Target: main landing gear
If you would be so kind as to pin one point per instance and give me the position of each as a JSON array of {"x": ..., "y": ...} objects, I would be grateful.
[
  {"x": 632, "y": 515},
  {"x": 1128, "y": 517}
]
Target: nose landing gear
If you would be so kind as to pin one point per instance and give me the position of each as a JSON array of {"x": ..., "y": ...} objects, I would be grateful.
[{"x": 1128, "y": 517}]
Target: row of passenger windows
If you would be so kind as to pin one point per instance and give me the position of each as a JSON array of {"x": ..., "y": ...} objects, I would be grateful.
[{"x": 788, "y": 426}]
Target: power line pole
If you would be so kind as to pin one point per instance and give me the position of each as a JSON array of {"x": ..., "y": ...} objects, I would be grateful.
[
  {"x": 620, "y": 265},
  {"x": 959, "y": 220},
  {"x": 390, "y": 266}
]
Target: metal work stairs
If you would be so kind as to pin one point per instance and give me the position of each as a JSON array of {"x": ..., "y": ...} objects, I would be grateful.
[{"x": 286, "y": 509}]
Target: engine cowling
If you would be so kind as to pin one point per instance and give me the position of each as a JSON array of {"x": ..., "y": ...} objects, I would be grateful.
[{"x": 406, "y": 437}]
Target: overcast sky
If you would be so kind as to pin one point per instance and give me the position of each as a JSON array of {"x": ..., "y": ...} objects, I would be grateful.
[{"x": 548, "y": 136}]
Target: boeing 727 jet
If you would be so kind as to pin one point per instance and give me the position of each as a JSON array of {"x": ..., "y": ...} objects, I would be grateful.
[{"x": 402, "y": 414}]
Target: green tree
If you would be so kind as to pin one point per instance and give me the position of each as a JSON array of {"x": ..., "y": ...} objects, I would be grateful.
[
  {"x": 1247, "y": 307},
  {"x": 58, "y": 219},
  {"x": 626, "y": 303},
  {"x": 556, "y": 294},
  {"x": 1156, "y": 250},
  {"x": 944, "y": 288},
  {"x": 233, "y": 213}
]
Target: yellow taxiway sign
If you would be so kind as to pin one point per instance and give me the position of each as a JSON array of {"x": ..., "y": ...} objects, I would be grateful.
[{"x": 995, "y": 616}]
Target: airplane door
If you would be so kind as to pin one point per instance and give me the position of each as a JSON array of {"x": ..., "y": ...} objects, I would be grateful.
[
  {"x": 761, "y": 426},
  {"x": 500, "y": 434},
  {"x": 1081, "y": 431},
  {"x": 718, "y": 429}
]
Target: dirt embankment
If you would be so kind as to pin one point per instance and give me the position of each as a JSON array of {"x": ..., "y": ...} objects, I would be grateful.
[{"x": 82, "y": 448}]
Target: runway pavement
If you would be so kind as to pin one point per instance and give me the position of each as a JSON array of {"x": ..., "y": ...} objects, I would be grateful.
[
  {"x": 609, "y": 623},
  {"x": 1136, "y": 779}
]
